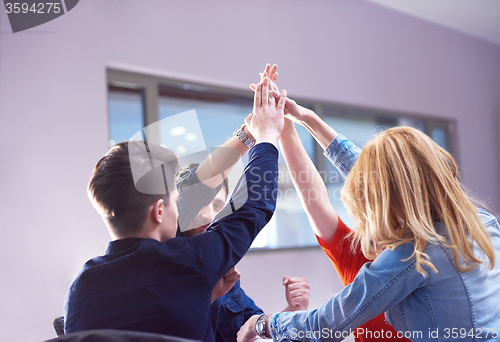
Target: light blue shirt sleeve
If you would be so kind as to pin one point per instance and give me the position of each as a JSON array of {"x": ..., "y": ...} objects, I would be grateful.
[
  {"x": 342, "y": 153},
  {"x": 379, "y": 286}
]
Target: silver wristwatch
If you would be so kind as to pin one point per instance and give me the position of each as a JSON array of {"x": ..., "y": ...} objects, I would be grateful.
[
  {"x": 260, "y": 326},
  {"x": 240, "y": 134}
]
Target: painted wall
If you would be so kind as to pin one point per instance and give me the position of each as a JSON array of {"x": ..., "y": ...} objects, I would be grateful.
[{"x": 53, "y": 116}]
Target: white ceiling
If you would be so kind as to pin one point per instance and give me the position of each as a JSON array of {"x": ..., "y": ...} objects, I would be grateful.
[{"x": 478, "y": 18}]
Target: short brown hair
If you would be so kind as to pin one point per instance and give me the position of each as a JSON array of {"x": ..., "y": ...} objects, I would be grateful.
[{"x": 117, "y": 194}]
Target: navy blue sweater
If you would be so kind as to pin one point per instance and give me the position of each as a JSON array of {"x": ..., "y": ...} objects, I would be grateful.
[{"x": 146, "y": 285}]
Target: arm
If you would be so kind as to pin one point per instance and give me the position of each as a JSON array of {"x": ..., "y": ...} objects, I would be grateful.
[
  {"x": 309, "y": 185},
  {"x": 340, "y": 151},
  {"x": 197, "y": 188},
  {"x": 319, "y": 129},
  {"x": 378, "y": 287},
  {"x": 232, "y": 231},
  {"x": 219, "y": 164},
  {"x": 321, "y": 214},
  {"x": 224, "y": 285}
]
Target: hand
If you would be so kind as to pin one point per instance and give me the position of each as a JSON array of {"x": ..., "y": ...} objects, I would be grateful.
[
  {"x": 266, "y": 123},
  {"x": 293, "y": 111},
  {"x": 226, "y": 283},
  {"x": 297, "y": 293},
  {"x": 247, "y": 331},
  {"x": 271, "y": 72},
  {"x": 273, "y": 75}
]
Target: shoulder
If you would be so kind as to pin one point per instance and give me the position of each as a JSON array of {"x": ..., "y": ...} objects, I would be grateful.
[
  {"x": 486, "y": 217},
  {"x": 490, "y": 222}
]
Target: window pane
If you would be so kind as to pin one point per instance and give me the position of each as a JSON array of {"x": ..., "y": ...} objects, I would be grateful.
[
  {"x": 126, "y": 116},
  {"x": 218, "y": 117},
  {"x": 439, "y": 135}
]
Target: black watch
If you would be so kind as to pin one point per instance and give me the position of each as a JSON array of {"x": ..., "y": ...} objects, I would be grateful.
[{"x": 260, "y": 326}]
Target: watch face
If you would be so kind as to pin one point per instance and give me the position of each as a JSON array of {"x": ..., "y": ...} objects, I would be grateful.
[{"x": 260, "y": 327}]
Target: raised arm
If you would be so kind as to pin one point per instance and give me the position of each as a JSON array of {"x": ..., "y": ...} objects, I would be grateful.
[
  {"x": 230, "y": 235},
  {"x": 341, "y": 152},
  {"x": 378, "y": 287},
  {"x": 309, "y": 185},
  {"x": 219, "y": 164},
  {"x": 198, "y": 186},
  {"x": 319, "y": 129}
]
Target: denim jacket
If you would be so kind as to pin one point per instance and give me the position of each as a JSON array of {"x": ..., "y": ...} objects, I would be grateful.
[
  {"x": 445, "y": 306},
  {"x": 230, "y": 312}
]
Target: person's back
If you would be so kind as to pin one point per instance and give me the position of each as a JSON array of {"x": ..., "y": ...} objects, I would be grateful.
[
  {"x": 435, "y": 270},
  {"x": 112, "y": 287},
  {"x": 146, "y": 284},
  {"x": 449, "y": 303},
  {"x": 149, "y": 280}
]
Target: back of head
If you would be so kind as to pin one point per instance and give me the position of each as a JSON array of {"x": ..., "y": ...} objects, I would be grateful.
[
  {"x": 402, "y": 183},
  {"x": 128, "y": 180}
]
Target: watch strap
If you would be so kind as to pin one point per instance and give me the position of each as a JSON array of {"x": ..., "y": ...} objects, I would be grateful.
[
  {"x": 244, "y": 138},
  {"x": 260, "y": 326}
]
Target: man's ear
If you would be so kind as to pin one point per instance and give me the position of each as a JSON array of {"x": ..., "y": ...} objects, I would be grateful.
[{"x": 156, "y": 211}]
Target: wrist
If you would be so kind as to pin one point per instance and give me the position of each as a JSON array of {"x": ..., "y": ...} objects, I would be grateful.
[
  {"x": 261, "y": 326},
  {"x": 272, "y": 139},
  {"x": 247, "y": 132},
  {"x": 244, "y": 136},
  {"x": 289, "y": 134},
  {"x": 308, "y": 117}
]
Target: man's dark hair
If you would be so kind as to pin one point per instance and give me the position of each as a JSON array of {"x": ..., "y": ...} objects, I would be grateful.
[{"x": 122, "y": 195}]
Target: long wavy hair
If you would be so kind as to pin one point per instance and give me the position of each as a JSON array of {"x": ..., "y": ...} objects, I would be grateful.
[{"x": 401, "y": 184}]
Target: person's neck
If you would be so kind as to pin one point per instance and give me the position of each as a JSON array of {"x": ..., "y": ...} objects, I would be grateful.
[{"x": 142, "y": 234}]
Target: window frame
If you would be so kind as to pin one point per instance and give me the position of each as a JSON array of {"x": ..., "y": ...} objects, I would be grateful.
[{"x": 151, "y": 83}]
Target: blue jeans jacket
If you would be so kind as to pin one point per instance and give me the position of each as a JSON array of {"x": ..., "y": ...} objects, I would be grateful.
[
  {"x": 446, "y": 306},
  {"x": 230, "y": 312}
]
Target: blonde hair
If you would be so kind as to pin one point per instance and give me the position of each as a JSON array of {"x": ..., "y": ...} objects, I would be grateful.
[{"x": 401, "y": 184}]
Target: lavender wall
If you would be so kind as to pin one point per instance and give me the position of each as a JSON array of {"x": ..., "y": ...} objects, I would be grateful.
[{"x": 53, "y": 116}]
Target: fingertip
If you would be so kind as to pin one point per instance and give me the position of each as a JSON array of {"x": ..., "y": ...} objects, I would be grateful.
[{"x": 286, "y": 279}]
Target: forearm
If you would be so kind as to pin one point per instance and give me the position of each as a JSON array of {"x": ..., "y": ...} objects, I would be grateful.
[
  {"x": 249, "y": 209},
  {"x": 343, "y": 154},
  {"x": 320, "y": 130},
  {"x": 309, "y": 186},
  {"x": 378, "y": 287},
  {"x": 219, "y": 164}
]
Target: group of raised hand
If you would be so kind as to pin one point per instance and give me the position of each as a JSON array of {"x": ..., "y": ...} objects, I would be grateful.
[{"x": 271, "y": 107}]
